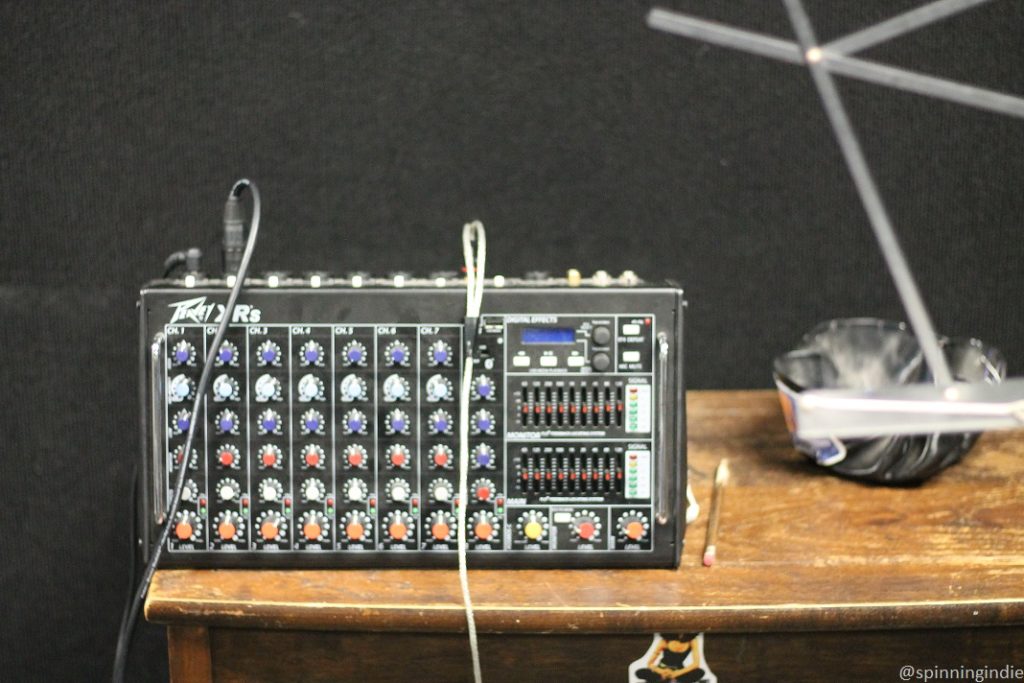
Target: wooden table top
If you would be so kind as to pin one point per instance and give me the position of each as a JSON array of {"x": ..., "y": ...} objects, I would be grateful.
[{"x": 798, "y": 549}]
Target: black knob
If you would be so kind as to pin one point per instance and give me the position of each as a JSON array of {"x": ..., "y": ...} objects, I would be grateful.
[
  {"x": 601, "y": 361},
  {"x": 601, "y": 335}
]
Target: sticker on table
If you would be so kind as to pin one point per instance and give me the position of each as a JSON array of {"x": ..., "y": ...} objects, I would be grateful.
[{"x": 677, "y": 657}]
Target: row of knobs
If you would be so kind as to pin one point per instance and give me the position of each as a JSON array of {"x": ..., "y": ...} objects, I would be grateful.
[
  {"x": 312, "y": 354},
  {"x": 355, "y": 456},
  {"x": 315, "y": 526},
  {"x": 355, "y": 491},
  {"x": 354, "y": 422},
  {"x": 267, "y": 388}
]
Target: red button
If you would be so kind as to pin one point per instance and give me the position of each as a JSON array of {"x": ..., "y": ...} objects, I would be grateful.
[
  {"x": 586, "y": 530},
  {"x": 311, "y": 531},
  {"x": 226, "y": 458},
  {"x": 354, "y": 530},
  {"x": 397, "y": 531},
  {"x": 312, "y": 458},
  {"x": 483, "y": 530},
  {"x": 183, "y": 531},
  {"x": 440, "y": 531},
  {"x": 269, "y": 458}
]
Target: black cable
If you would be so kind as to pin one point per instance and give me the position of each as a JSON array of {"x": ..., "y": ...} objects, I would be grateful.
[{"x": 127, "y": 629}]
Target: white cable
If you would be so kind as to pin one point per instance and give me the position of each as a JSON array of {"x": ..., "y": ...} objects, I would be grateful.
[{"x": 474, "y": 300}]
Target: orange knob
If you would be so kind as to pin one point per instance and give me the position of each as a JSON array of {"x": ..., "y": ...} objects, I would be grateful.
[
  {"x": 398, "y": 531},
  {"x": 635, "y": 530},
  {"x": 226, "y": 530},
  {"x": 311, "y": 530},
  {"x": 183, "y": 530},
  {"x": 354, "y": 531},
  {"x": 268, "y": 530},
  {"x": 483, "y": 530},
  {"x": 440, "y": 531}
]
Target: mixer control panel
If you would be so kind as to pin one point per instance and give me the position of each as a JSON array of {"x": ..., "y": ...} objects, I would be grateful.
[{"x": 329, "y": 432}]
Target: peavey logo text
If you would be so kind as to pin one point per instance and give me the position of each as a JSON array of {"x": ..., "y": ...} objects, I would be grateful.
[{"x": 198, "y": 311}]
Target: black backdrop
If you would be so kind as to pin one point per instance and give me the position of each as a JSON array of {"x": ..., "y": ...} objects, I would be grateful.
[{"x": 375, "y": 130}]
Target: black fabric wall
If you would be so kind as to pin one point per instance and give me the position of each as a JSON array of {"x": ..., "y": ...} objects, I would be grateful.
[{"x": 375, "y": 130}]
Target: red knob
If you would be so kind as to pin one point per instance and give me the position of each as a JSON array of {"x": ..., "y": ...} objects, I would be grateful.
[
  {"x": 586, "y": 530},
  {"x": 227, "y": 458},
  {"x": 483, "y": 493},
  {"x": 312, "y": 458},
  {"x": 397, "y": 457},
  {"x": 355, "y": 458},
  {"x": 269, "y": 458}
]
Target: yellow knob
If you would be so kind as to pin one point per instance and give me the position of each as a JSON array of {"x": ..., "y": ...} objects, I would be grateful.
[{"x": 533, "y": 530}]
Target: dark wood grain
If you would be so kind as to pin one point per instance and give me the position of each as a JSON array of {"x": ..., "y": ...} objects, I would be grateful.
[
  {"x": 188, "y": 654},
  {"x": 245, "y": 656},
  {"x": 798, "y": 550}
]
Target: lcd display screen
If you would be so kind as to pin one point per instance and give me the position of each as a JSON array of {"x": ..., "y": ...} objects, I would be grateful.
[{"x": 548, "y": 335}]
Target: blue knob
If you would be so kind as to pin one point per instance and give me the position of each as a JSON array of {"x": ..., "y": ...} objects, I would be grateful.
[
  {"x": 398, "y": 424},
  {"x": 398, "y": 355},
  {"x": 355, "y": 355},
  {"x": 440, "y": 355},
  {"x": 483, "y": 458},
  {"x": 441, "y": 424},
  {"x": 312, "y": 423},
  {"x": 181, "y": 354},
  {"x": 269, "y": 354},
  {"x": 312, "y": 354},
  {"x": 226, "y": 354},
  {"x": 183, "y": 423},
  {"x": 483, "y": 423},
  {"x": 355, "y": 424},
  {"x": 484, "y": 387},
  {"x": 227, "y": 423},
  {"x": 269, "y": 423}
]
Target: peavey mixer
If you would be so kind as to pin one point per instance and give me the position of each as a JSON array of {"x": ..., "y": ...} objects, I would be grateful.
[
  {"x": 444, "y": 421},
  {"x": 328, "y": 436}
]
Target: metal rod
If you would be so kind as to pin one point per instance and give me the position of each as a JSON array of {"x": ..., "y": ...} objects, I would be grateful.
[
  {"x": 870, "y": 197},
  {"x": 909, "y": 81},
  {"x": 898, "y": 25},
  {"x": 872, "y": 72},
  {"x": 748, "y": 41}
]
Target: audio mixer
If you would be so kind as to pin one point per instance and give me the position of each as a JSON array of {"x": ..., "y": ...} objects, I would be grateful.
[{"x": 328, "y": 436}]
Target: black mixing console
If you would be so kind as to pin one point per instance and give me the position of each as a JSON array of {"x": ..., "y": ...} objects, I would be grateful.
[{"x": 329, "y": 433}]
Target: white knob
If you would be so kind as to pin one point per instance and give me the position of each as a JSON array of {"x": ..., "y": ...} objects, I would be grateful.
[
  {"x": 267, "y": 387},
  {"x": 309, "y": 387}
]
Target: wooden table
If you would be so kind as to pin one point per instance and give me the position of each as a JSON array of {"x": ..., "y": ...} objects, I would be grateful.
[{"x": 817, "y": 578}]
